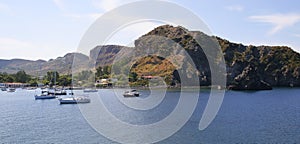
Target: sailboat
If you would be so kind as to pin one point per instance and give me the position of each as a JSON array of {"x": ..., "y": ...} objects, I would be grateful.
[
  {"x": 46, "y": 94},
  {"x": 11, "y": 90},
  {"x": 90, "y": 90},
  {"x": 74, "y": 100},
  {"x": 3, "y": 89}
]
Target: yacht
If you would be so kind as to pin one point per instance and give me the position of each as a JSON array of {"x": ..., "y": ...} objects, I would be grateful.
[
  {"x": 11, "y": 90},
  {"x": 44, "y": 95},
  {"x": 131, "y": 93},
  {"x": 3, "y": 89},
  {"x": 74, "y": 100},
  {"x": 90, "y": 90},
  {"x": 57, "y": 92}
]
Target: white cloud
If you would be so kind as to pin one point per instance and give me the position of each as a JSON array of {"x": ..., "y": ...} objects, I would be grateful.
[
  {"x": 94, "y": 16},
  {"x": 237, "y": 8},
  {"x": 5, "y": 8},
  {"x": 107, "y": 5},
  {"x": 279, "y": 21},
  {"x": 14, "y": 48},
  {"x": 297, "y": 35},
  {"x": 9, "y": 43},
  {"x": 91, "y": 16},
  {"x": 60, "y": 4}
]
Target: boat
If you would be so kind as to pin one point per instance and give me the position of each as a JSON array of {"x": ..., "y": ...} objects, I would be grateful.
[
  {"x": 44, "y": 95},
  {"x": 11, "y": 90},
  {"x": 3, "y": 89},
  {"x": 74, "y": 100},
  {"x": 57, "y": 92},
  {"x": 30, "y": 88},
  {"x": 90, "y": 90},
  {"x": 131, "y": 93}
]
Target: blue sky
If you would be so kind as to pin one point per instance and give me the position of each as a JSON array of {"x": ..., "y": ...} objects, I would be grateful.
[{"x": 47, "y": 29}]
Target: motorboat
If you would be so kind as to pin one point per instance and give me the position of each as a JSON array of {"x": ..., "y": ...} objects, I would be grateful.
[
  {"x": 11, "y": 90},
  {"x": 3, "y": 89},
  {"x": 131, "y": 93},
  {"x": 57, "y": 92},
  {"x": 90, "y": 90},
  {"x": 74, "y": 100},
  {"x": 44, "y": 95}
]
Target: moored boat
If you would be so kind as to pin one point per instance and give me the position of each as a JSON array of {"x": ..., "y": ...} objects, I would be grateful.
[
  {"x": 90, "y": 90},
  {"x": 3, "y": 89},
  {"x": 45, "y": 95},
  {"x": 74, "y": 100},
  {"x": 11, "y": 90},
  {"x": 131, "y": 93},
  {"x": 57, "y": 92}
]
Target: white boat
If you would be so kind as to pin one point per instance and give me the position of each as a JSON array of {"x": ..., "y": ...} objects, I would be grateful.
[
  {"x": 90, "y": 90},
  {"x": 57, "y": 92},
  {"x": 11, "y": 90},
  {"x": 3, "y": 89},
  {"x": 44, "y": 96},
  {"x": 131, "y": 93},
  {"x": 74, "y": 100}
]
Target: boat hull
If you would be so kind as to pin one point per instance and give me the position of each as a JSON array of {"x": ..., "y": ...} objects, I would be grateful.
[
  {"x": 87, "y": 91},
  {"x": 44, "y": 97},
  {"x": 74, "y": 100},
  {"x": 131, "y": 95}
]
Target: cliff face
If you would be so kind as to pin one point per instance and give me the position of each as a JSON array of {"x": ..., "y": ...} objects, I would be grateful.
[
  {"x": 273, "y": 65},
  {"x": 183, "y": 38},
  {"x": 104, "y": 55},
  {"x": 248, "y": 67}
]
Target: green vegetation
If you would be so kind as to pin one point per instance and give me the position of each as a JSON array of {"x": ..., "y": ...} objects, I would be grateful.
[
  {"x": 103, "y": 72},
  {"x": 6, "y": 78},
  {"x": 19, "y": 77},
  {"x": 49, "y": 79},
  {"x": 85, "y": 78}
]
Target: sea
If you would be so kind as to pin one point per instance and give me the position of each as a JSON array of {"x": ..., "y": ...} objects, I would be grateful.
[{"x": 245, "y": 117}]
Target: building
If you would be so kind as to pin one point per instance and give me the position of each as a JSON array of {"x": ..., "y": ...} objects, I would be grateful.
[
  {"x": 105, "y": 82},
  {"x": 14, "y": 85}
]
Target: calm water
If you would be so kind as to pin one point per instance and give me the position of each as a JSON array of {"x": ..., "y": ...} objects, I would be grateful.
[{"x": 244, "y": 117}]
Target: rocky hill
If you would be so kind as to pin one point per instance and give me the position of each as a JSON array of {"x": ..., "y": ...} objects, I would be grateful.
[
  {"x": 104, "y": 55},
  {"x": 248, "y": 67},
  {"x": 40, "y": 67},
  {"x": 273, "y": 65}
]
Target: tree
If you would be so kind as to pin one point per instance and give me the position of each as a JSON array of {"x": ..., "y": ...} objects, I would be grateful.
[
  {"x": 65, "y": 80},
  {"x": 52, "y": 77},
  {"x": 99, "y": 72},
  {"x": 132, "y": 77},
  {"x": 33, "y": 82},
  {"x": 103, "y": 72},
  {"x": 22, "y": 77},
  {"x": 6, "y": 78},
  {"x": 106, "y": 70}
]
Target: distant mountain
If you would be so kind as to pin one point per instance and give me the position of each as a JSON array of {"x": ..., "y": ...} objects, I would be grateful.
[
  {"x": 14, "y": 65},
  {"x": 40, "y": 67}
]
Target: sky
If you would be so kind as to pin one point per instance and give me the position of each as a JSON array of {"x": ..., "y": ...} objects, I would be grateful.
[{"x": 47, "y": 29}]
